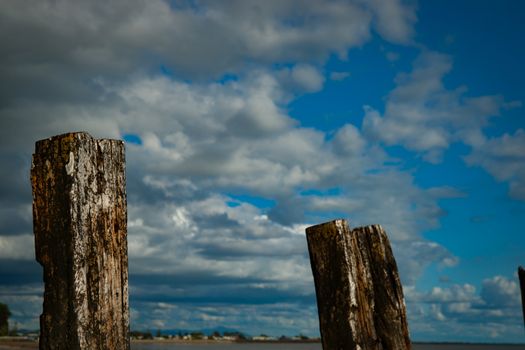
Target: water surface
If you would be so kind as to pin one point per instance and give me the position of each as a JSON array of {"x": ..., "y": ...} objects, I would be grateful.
[{"x": 312, "y": 346}]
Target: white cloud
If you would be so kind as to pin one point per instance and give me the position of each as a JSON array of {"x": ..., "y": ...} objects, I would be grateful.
[
  {"x": 499, "y": 291},
  {"x": 503, "y": 157},
  {"x": 393, "y": 19},
  {"x": 424, "y": 116},
  {"x": 349, "y": 141},
  {"x": 461, "y": 312},
  {"x": 96, "y": 37},
  {"x": 454, "y": 294},
  {"x": 309, "y": 78},
  {"x": 301, "y": 78},
  {"x": 17, "y": 247},
  {"x": 414, "y": 256},
  {"x": 180, "y": 176},
  {"x": 276, "y": 319},
  {"x": 339, "y": 76},
  {"x": 208, "y": 144},
  {"x": 204, "y": 146}
]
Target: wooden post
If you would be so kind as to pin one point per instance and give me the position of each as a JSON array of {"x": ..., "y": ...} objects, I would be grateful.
[
  {"x": 521, "y": 276},
  {"x": 359, "y": 294},
  {"x": 80, "y": 226}
]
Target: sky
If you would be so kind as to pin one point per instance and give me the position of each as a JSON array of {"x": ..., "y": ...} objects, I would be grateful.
[{"x": 247, "y": 121}]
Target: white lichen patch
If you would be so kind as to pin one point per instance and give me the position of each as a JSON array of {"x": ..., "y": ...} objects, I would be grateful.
[
  {"x": 340, "y": 225},
  {"x": 70, "y": 166},
  {"x": 106, "y": 200}
]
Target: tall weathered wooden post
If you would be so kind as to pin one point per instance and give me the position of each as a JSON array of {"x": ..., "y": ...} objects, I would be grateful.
[
  {"x": 80, "y": 226},
  {"x": 521, "y": 276},
  {"x": 359, "y": 294}
]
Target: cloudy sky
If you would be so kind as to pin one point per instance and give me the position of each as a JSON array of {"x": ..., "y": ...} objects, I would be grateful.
[{"x": 247, "y": 121}]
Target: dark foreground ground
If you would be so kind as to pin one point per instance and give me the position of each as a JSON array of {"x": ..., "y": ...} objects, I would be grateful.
[
  {"x": 17, "y": 344},
  {"x": 212, "y": 345}
]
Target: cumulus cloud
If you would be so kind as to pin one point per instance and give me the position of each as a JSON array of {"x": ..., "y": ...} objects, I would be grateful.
[
  {"x": 394, "y": 20},
  {"x": 461, "y": 310},
  {"x": 414, "y": 256},
  {"x": 188, "y": 219},
  {"x": 499, "y": 291},
  {"x": 277, "y": 319},
  {"x": 424, "y": 116},
  {"x": 72, "y": 37},
  {"x": 339, "y": 76},
  {"x": 302, "y": 78},
  {"x": 216, "y": 140},
  {"x": 65, "y": 51},
  {"x": 503, "y": 157},
  {"x": 454, "y": 294}
]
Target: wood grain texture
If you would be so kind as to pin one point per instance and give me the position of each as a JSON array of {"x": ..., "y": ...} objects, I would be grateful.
[
  {"x": 359, "y": 295},
  {"x": 80, "y": 227}
]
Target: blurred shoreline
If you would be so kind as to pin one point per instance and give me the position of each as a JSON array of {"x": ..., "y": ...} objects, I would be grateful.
[{"x": 23, "y": 343}]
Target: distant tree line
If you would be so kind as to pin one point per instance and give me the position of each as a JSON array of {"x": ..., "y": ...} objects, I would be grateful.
[
  {"x": 141, "y": 335},
  {"x": 196, "y": 335},
  {"x": 4, "y": 319}
]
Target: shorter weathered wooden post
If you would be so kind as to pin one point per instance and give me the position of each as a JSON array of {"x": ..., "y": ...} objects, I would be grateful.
[
  {"x": 521, "y": 276},
  {"x": 80, "y": 226},
  {"x": 359, "y": 294}
]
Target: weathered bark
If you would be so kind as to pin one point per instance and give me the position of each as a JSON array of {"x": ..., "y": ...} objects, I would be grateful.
[
  {"x": 521, "y": 275},
  {"x": 359, "y": 294},
  {"x": 80, "y": 226}
]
